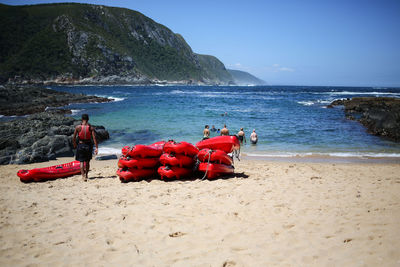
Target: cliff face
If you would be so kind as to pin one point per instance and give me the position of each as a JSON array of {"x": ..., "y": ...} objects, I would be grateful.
[
  {"x": 245, "y": 78},
  {"x": 80, "y": 43}
]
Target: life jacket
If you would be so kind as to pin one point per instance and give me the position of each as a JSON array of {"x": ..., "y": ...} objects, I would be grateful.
[{"x": 85, "y": 134}]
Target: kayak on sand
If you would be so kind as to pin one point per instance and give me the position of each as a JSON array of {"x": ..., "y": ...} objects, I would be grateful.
[{"x": 49, "y": 173}]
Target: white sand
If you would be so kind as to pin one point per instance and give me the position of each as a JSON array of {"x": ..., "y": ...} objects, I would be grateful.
[{"x": 286, "y": 214}]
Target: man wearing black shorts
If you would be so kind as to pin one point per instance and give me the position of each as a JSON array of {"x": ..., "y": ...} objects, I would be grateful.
[{"x": 84, "y": 149}]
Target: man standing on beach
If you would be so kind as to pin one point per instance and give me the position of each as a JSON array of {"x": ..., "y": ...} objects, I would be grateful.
[
  {"x": 84, "y": 149},
  {"x": 224, "y": 131}
]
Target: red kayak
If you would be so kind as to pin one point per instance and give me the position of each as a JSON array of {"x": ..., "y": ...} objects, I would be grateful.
[
  {"x": 125, "y": 150},
  {"x": 214, "y": 156},
  {"x": 140, "y": 163},
  {"x": 142, "y": 151},
  {"x": 174, "y": 172},
  {"x": 126, "y": 175},
  {"x": 215, "y": 170},
  {"x": 49, "y": 173},
  {"x": 180, "y": 148},
  {"x": 176, "y": 160},
  {"x": 226, "y": 143},
  {"x": 158, "y": 145}
]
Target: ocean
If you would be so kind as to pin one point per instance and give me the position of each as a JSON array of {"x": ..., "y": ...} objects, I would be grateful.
[{"x": 289, "y": 120}]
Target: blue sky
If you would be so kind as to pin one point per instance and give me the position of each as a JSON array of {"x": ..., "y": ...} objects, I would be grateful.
[{"x": 355, "y": 43}]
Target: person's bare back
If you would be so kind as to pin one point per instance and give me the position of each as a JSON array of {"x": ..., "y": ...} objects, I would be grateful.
[{"x": 224, "y": 131}]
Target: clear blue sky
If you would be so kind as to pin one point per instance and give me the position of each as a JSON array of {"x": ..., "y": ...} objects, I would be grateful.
[{"x": 296, "y": 42}]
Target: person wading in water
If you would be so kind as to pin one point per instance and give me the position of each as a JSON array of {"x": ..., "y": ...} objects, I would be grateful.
[
  {"x": 241, "y": 136},
  {"x": 206, "y": 132},
  {"x": 224, "y": 130},
  {"x": 84, "y": 149}
]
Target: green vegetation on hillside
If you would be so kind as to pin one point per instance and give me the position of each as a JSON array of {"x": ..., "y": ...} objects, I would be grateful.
[{"x": 45, "y": 41}]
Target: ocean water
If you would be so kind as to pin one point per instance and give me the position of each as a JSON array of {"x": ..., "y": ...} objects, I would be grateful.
[{"x": 289, "y": 120}]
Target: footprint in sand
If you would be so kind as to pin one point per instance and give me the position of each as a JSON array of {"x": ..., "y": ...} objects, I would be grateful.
[
  {"x": 229, "y": 264},
  {"x": 288, "y": 226},
  {"x": 177, "y": 234}
]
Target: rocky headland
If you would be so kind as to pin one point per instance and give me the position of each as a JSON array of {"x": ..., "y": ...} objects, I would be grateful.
[
  {"x": 71, "y": 43},
  {"x": 23, "y": 100},
  {"x": 380, "y": 115},
  {"x": 44, "y": 134}
]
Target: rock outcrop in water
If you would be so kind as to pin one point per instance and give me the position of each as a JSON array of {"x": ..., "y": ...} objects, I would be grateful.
[
  {"x": 23, "y": 100},
  {"x": 41, "y": 136},
  {"x": 74, "y": 43},
  {"x": 381, "y": 115}
]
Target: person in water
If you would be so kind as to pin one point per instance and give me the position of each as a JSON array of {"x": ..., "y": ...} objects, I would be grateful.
[
  {"x": 241, "y": 136},
  {"x": 254, "y": 137},
  {"x": 86, "y": 134},
  {"x": 206, "y": 132},
  {"x": 224, "y": 131},
  {"x": 213, "y": 129}
]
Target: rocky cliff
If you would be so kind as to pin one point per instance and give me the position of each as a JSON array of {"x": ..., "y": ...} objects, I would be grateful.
[
  {"x": 245, "y": 78},
  {"x": 81, "y": 43}
]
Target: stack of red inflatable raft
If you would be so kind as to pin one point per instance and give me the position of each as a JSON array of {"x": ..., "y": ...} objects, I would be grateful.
[
  {"x": 178, "y": 160},
  {"x": 139, "y": 161},
  {"x": 213, "y": 155}
]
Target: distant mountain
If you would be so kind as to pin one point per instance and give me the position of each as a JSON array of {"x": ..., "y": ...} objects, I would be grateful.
[
  {"x": 82, "y": 43},
  {"x": 245, "y": 78}
]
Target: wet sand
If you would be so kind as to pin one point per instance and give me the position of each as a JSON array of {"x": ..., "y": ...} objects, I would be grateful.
[{"x": 270, "y": 213}]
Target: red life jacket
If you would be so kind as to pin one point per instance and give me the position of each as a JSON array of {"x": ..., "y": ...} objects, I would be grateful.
[{"x": 85, "y": 133}]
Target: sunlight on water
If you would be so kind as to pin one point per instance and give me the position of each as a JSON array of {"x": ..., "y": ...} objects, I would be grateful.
[{"x": 289, "y": 120}]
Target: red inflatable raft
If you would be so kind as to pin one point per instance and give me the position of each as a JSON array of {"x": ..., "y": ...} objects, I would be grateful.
[
  {"x": 214, "y": 156},
  {"x": 142, "y": 151},
  {"x": 159, "y": 144},
  {"x": 176, "y": 160},
  {"x": 126, "y": 175},
  {"x": 180, "y": 148},
  {"x": 215, "y": 170},
  {"x": 50, "y": 173},
  {"x": 174, "y": 172},
  {"x": 226, "y": 143},
  {"x": 127, "y": 162}
]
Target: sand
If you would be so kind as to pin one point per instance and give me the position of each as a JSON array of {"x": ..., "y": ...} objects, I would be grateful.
[{"x": 271, "y": 213}]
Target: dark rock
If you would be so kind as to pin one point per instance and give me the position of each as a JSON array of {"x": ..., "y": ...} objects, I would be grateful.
[
  {"x": 101, "y": 133},
  {"x": 22, "y": 100},
  {"x": 5, "y": 160},
  {"x": 39, "y": 137},
  {"x": 381, "y": 115}
]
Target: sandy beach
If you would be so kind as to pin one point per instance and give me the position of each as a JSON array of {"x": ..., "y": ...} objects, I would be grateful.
[{"x": 271, "y": 213}]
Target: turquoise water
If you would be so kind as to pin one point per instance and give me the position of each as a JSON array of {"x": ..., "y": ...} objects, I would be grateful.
[{"x": 289, "y": 120}]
